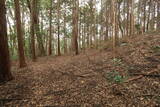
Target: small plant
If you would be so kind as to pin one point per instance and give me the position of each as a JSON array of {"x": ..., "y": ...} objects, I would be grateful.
[
  {"x": 114, "y": 77},
  {"x": 117, "y": 61},
  {"x": 156, "y": 48},
  {"x": 118, "y": 79}
]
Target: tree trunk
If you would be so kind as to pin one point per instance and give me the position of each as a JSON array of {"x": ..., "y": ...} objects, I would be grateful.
[
  {"x": 132, "y": 18},
  {"x": 84, "y": 33},
  {"x": 124, "y": 15},
  {"x": 113, "y": 26},
  {"x": 33, "y": 31},
  {"x": 50, "y": 30},
  {"x": 59, "y": 50},
  {"x": 75, "y": 26},
  {"x": 31, "y": 5},
  {"x": 5, "y": 73},
  {"x": 65, "y": 42},
  {"x": 119, "y": 19},
  {"x": 37, "y": 29},
  {"x": 144, "y": 16},
  {"x": 106, "y": 23},
  {"x": 116, "y": 25},
  {"x": 22, "y": 62},
  {"x": 158, "y": 15},
  {"x": 127, "y": 18},
  {"x": 149, "y": 14}
]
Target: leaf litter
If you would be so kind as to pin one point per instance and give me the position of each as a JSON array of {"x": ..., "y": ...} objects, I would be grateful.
[{"x": 82, "y": 81}]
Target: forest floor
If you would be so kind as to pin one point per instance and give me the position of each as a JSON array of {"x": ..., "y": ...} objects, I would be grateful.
[{"x": 91, "y": 79}]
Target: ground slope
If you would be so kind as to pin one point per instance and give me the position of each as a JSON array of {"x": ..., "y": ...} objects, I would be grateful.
[{"x": 91, "y": 79}]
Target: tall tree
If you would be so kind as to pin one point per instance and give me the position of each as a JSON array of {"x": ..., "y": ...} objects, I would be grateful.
[
  {"x": 149, "y": 14},
  {"x": 37, "y": 28},
  {"x": 5, "y": 73},
  {"x": 31, "y": 5},
  {"x": 64, "y": 28},
  {"x": 128, "y": 16},
  {"x": 113, "y": 26},
  {"x": 33, "y": 30},
  {"x": 144, "y": 16},
  {"x": 132, "y": 18},
  {"x": 75, "y": 26},
  {"x": 158, "y": 15},
  {"x": 50, "y": 29},
  {"x": 59, "y": 50},
  {"x": 22, "y": 62},
  {"x": 107, "y": 19}
]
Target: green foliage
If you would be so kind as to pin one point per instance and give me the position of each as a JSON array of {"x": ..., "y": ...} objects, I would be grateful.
[
  {"x": 118, "y": 79},
  {"x": 114, "y": 77},
  {"x": 156, "y": 48},
  {"x": 46, "y": 4},
  {"x": 9, "y": 3}
]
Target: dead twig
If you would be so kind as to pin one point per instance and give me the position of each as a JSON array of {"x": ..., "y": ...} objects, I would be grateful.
[
  {"x": 140, "y": 76},
  {"x": 147, "y": 75}
]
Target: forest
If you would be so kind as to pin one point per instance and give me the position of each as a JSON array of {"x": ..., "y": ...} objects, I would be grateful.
[{"x": 80, "y": 53}]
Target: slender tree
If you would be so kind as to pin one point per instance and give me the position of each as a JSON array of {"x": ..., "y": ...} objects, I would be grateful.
[
  {"x": 149, "y": 14},
  {"x": 113, "y": 26},
  {"x": 59, "y": 50},
  {"x": 106, "y": 21},
  {"x": 158, "y": 15},
  {"x": 64, "y": 28},
  {"x": 22, "y": 62},
  {"x": 144, "y": 16},
  {"x": 32, "y": 30},
  {"x": 31, "y": 5},
  {"x": 50, "y": 29},
  {"x": 37, "y": 28}
]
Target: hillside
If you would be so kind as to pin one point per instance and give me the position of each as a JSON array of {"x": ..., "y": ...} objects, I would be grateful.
[{"x": 91, "y": 79}]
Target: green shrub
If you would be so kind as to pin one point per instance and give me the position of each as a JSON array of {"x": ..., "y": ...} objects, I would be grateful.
[{"x": 114, "y": 77}]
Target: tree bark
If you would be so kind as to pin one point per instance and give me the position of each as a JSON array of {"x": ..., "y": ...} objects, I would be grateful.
[
  {"x": 106, "y": 22},
  {"x": 132, "y": 18},
  {"x": 149, "y": 14},
  {"x": 75, "y": 26},
  {"x": 158, "y": 15},
  {"x": 144, "y": 16},
  {"x": 113, "y": 26},
  {"x": 65, "y": 42},
  {"x": 50, "y": 30},
  {"x": 59, "y": 50},
  {"x": 31, "y": 5},
  {"x": 37, "y": 29},
  {"x": 5, "y": 73},
  {"x": 22, "y": 62},
  {"x": 128, "y": 17}
]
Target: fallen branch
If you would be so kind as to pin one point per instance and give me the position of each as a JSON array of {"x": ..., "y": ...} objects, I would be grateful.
[
  {"x": 147, "y": 75},
  {"x": 148, "y": 95},
  {"x": 12, "y": 99},
  {"x": 140, "y": 76}
]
